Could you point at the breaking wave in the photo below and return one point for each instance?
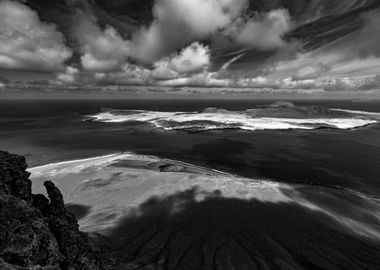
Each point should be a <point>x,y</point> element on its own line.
<point>269,118</point>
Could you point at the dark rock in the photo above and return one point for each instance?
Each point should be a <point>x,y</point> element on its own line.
<point>41,203</point>
<point>14,179</point>
<point>35,232</point>
<point>25,237</point>
<point>73,243</point>
<point>79,211</point>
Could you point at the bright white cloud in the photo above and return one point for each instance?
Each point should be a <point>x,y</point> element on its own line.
<point>102,50</point>
<point>28,43</point>
<point>193,58</point>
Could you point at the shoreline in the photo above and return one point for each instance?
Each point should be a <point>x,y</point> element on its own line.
<point>117,185</point>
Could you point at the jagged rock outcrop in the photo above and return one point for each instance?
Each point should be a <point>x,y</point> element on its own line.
<point>74,244</point>
<point>36,232</point>
<point>25,237</point>
<point>14,179</point>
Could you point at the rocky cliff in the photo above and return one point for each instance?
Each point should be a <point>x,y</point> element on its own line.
<point>38,232</point>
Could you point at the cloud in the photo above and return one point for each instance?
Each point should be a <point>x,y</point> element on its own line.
<point>179,22</point>
<point>102,50</point>
<point>176,23</point>
<point>310,72</point>
<point>208,79</point>
<point>129,74</point>
<point>27,43</point>
<point>369,39</point>
<point>352,83</point>
<point>327,84</point>
<point>162,71</point>
<point>69,76</point>
<point>193,58</point>
<point>263,31</point>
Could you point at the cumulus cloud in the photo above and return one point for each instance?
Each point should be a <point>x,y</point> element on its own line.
<point>102,50</point>
<point>69,76</point>
<point>26,42</point>
<point>193,58</point>
<point>263,31</point>
<point>178,22</point>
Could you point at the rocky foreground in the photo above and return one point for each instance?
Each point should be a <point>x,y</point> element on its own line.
<point>38,232</point>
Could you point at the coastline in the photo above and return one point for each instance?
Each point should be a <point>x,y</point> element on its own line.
<point>141,210</point>
<point>113,186</point>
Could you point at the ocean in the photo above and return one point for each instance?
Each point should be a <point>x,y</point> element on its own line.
<point>333,172</point>
<point>49,131</point>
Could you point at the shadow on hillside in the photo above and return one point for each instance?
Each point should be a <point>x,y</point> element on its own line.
<point>183,232</point>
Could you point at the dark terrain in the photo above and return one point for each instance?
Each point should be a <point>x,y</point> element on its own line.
<point>37,232</point>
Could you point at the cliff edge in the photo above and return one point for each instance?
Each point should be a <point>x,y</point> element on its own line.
<point>38,232</point>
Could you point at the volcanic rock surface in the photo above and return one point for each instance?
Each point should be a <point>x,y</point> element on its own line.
<point>36,232</point>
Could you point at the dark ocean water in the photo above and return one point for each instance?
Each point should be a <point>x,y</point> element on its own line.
<point>50,131</point>
<point>326,227</point>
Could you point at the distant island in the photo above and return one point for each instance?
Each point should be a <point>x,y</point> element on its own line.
<point>277,116</point>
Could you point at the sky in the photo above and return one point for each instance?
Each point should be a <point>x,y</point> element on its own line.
<point>321,45</point>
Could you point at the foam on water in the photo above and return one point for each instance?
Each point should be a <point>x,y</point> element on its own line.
<point>201,121</point>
